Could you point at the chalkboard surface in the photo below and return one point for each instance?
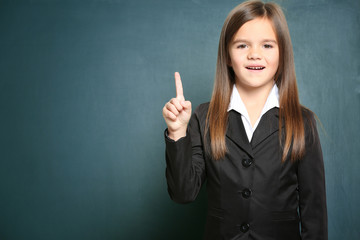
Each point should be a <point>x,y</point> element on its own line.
<point>82,86</point>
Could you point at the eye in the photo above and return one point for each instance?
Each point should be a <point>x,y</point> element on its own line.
<point>241,46</point>
<point>268,46</point>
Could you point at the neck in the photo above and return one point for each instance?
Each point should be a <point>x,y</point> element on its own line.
<point>254,99</point>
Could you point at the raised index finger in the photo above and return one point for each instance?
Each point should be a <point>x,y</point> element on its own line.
<point>179,88</point>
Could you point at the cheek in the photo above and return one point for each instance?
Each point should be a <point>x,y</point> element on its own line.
<point>236,60</point>
<point>274,61</point>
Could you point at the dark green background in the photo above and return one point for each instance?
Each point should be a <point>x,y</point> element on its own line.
<point>82,86</point>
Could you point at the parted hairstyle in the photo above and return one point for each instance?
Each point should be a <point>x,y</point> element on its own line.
<point>290,113</point>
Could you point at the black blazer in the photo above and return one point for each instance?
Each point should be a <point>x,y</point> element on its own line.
<point>251,194</point>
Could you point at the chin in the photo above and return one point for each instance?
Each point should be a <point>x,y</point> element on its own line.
<point>258,85</point>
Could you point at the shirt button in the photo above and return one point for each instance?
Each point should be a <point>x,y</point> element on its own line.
<point>247,162</point>
<point>246,193</point>
<point>244,227</point>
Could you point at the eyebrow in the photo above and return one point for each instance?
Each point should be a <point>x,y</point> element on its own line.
<point>246,41</point>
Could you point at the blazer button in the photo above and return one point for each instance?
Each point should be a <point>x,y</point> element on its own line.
<point>247,162</point>
<point>246,193</point>
<point>244,227</point>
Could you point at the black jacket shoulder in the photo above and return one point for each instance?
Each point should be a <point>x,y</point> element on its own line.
<point>202,109</point>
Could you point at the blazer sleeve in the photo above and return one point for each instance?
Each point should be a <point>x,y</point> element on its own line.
<point>185,164</point>
<point>312,194</point>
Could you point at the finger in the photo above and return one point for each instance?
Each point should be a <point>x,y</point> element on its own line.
<point>169,115</point>
<point>172,108</point>
<point>179,88</point>
<point>177,104</point>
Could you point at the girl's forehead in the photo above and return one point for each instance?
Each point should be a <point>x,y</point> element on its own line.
<point>258,28</point>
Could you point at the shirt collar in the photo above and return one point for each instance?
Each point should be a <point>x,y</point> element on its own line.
<point>238,105</point>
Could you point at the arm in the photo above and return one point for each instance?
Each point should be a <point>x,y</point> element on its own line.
<point>184,159</point>
<point>312,194</point>
<point>185,166</point>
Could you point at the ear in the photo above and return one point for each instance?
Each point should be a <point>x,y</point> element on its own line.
<point>228,61</point>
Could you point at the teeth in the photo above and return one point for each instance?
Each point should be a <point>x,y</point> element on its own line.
<point>255,68</point>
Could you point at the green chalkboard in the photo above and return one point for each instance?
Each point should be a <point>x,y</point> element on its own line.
<point>82,86</point>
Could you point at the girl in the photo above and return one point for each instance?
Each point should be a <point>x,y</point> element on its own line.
<point>256,146</point>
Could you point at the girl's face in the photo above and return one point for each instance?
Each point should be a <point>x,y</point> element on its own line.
<point>254,54</point>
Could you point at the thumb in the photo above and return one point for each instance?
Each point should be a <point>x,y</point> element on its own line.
<point>186,105</point>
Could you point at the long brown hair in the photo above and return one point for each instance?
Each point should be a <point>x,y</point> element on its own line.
<point>290,109</point>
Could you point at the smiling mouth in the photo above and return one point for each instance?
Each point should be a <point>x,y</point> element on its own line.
<point>255,68</point>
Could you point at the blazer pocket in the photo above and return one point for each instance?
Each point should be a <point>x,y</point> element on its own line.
<point>218,213</point>
<point>284,215</point>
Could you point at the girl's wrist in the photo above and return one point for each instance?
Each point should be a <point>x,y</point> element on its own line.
<point>176,135</point>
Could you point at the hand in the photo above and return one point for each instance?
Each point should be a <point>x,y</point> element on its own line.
<point>177,112</point>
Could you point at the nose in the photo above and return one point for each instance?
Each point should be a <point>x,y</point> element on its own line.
<point>254,54</point>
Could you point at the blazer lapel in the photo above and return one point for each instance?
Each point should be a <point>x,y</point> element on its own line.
<point>269,123</point>
<point>236,132</point>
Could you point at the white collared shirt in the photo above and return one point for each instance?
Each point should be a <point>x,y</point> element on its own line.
<point>238,105</point>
